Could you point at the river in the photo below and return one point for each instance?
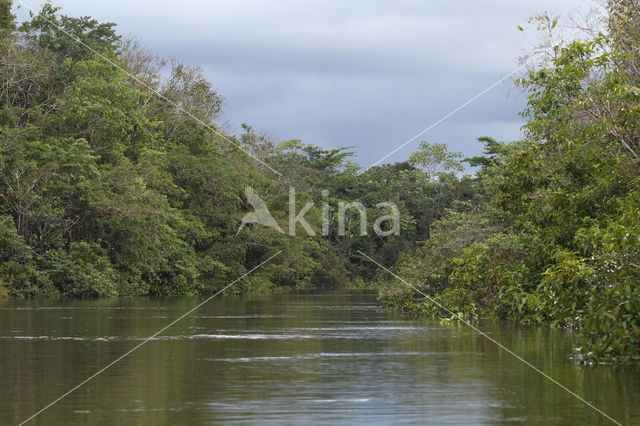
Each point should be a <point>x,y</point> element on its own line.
<point>311,358</point>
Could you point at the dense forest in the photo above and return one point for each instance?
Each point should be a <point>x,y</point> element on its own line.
<point>116,180</point>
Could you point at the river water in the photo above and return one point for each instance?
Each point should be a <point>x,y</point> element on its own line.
<point>315,358</point>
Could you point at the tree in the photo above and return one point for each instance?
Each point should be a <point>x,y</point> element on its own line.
<point>492,150</point>
<point>7,20</point>
<point>435,159</point>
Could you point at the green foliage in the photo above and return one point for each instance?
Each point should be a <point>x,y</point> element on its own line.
<point>492,151</point>
<point>101,106</point>
<point>428,269</point>
<point>497,274</point>
<point>128,193</point>
<point>18,273</point>
<point>597,289</point>
<point>7,20</point>
<point>60,35</point>
<point>81,270</point>
<point>435,159</point>
<point>106,190</point>
<point>564,203</point>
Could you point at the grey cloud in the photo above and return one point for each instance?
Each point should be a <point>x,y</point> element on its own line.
<point>332,72</point>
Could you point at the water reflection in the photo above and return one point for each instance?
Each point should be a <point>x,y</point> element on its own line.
<point>321,358</point>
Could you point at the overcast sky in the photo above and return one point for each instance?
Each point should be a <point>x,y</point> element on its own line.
<point>364,73</point>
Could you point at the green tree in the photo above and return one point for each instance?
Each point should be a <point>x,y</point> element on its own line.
<point>435,159</point>
<point>7,19</point>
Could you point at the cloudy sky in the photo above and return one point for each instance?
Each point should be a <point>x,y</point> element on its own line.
<point>364,73</point>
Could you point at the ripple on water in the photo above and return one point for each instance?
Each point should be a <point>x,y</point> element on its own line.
<point>320,355</point>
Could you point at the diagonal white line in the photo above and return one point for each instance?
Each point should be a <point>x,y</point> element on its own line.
<point>144,341</point>
<point>209,127</point>
<point>500,345</point>
<point>154,91</point>
<point>464,105</point>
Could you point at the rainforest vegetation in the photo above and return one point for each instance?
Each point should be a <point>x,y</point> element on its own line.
<point>116,179</point>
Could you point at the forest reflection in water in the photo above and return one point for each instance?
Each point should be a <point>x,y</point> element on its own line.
<point>320,358</point>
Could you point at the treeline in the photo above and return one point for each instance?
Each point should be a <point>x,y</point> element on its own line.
<point>110,189</point>
<point>558,241</point>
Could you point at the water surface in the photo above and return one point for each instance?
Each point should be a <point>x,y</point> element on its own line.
<point>319,358</point>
